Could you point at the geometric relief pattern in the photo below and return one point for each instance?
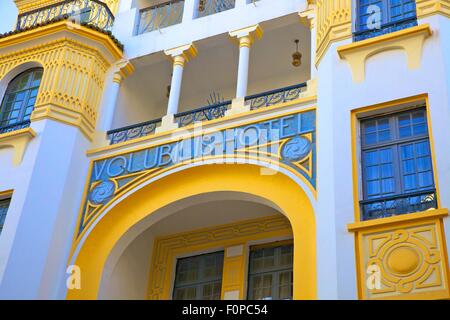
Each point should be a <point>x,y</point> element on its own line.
<point>288,141</point>
<point>166,248</point>
<point>72,82</point>
<point>411,261</point>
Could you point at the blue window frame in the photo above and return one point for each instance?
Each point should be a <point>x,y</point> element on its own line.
<point>4,206</point>
<point>396,165</point>
<point>18,102</point>
<point>377,17</point>
<point>199,277</point>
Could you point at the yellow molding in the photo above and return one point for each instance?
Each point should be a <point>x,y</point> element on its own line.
<point>182,53</point>
<point>334,23</point>
<point>66,26</point>
<point>64,115</point>
<point>397,220</point>
<point>246,36</point>
<point>209,126</point>
<point>308,16</point>
<point>234,274</point>
<point>74,73</point>
<point>29,5</point>
<point>426,8</point>
<point>18,140</point>
<point>6,193</point>
<point>411,40</point>
<point>166,250</point>
<point>411,257</point>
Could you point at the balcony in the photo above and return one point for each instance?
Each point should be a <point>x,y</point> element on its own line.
<point>207,113</point>
<point>210,80</point>
<point>166,14</point>
<point>397,205</point>
<point>160,16</point>
<point>89,12</point>
<point>209,7</point>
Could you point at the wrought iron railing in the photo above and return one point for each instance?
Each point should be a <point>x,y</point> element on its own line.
<point>133,132</point>
<point>397,205</point>
<point>207,113</point>
<point>15,126</point>
<point>160,16</point>
<point>273,97</point>
<point>384,29</point>
<point>202,114</point>
<point>209,7</point>
<point>90,12</point>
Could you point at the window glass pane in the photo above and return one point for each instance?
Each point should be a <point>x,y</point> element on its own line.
<point>377,131</point>
<point>285,281</point>
<point>366,10</point>
<point>379,173</point>
<point>397,174</point>
<point>199,277</point>
<point>273,280</point>
<point>4,206</point>
<point>401,9</point>
<point>211,291</point>
<point>416,165</point>
<point>20,96</point>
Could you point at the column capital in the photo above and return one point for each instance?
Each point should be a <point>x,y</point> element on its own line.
<point>246,36</point>
<point>308,16</point>
<point>182,53</point>
<point>122,69</point>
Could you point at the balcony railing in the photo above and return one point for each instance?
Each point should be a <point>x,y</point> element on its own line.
<point>397,205</point>
<point>15,126</point>
<point>209,7</point>
<point>90,12</point>
<point>207,113</point>
<point>202,114</point>
<point>384,29</point>
<point>160,16</point>
<point>277,96</point>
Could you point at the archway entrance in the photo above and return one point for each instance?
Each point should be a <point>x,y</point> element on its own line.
<point>107,240</point>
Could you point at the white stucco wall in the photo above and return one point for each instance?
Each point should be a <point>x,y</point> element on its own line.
<point>387,79</point>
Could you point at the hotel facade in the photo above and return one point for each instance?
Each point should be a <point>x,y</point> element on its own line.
<point>225,149</point>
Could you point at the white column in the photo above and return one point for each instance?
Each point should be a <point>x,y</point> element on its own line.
<point>189,10</point>
<point>308,19</point>
<point>179,56</point>
<point>244,61</point>
<point>175,86</point>
<point>240,3</point>
<point>109,104</point>
<point>120,72</point>
<point>245,38</point>
<point>125,5</point>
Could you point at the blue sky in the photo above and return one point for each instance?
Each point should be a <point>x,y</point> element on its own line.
<point>8,15</point>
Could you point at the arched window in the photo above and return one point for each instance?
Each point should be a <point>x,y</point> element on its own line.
<point>19,100</point>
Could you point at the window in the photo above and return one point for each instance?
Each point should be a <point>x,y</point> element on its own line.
<point>4,206</point>
<point>270,273</point>
<point>199,277</point>
<point>396,165</point>
<point>19,100</point>
<point>209,7</point>
<point>377,17</point>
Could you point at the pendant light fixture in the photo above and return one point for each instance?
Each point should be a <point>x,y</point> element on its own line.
<point>297,56</point>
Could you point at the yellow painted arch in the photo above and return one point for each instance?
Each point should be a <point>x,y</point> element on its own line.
<point>279,189</point>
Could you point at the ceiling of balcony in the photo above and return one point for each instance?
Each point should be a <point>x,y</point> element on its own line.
<point>144,94</point>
